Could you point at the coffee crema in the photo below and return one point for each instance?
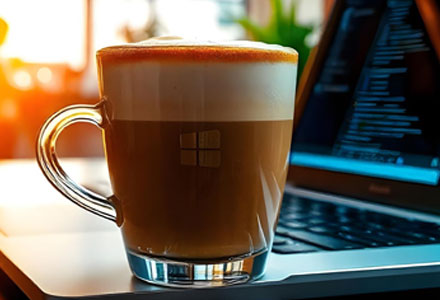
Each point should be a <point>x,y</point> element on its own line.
<point>197,141</point>
<point>174,49</point>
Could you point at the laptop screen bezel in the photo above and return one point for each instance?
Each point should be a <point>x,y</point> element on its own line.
<point>396,193</point>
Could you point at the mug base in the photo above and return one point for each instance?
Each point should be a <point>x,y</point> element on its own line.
<point>187,274</point>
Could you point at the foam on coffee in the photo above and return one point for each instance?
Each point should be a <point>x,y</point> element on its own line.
<point>169,48</point>
<point>245,81</point>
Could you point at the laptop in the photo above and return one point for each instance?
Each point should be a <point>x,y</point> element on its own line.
<point>360,212</point>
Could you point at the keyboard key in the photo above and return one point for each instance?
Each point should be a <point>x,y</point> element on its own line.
<point>383,221</point>
<point>288,197</point>
<point>434,231</point>
<point>344,219</point>
<point>323,229</point>
<point>295,247</point>
<point>281,240</point>
<point>429,238</point>
<point>281,230</point>
<point>418,236</point>
<point>296,201</point>
<point>398,240</point>
<point>318,213</point>
<point>322,207</point>
<point>319,240</point>
<point>429,225</point>
<point>389,234</point>
<point>338,227</point>
<point>358,240</point>
<point>291,216</point>
<point>366,234</point>
<point>315,221</point>
<point>342,210</point>
<point>388,238</point>
<point>294,224</point>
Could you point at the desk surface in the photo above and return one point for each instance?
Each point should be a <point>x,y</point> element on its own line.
<point>54,249</point>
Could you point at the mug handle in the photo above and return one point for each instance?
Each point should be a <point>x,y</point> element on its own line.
<point>49,164</point>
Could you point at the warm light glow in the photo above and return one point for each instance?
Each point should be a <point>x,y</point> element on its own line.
<point>44,31</point>
<point>53,31</point>
<point>8,109</point>
<point>44,75</point>
<point>22,80</point>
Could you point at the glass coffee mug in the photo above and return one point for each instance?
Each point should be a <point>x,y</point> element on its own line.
<point>197,138</point>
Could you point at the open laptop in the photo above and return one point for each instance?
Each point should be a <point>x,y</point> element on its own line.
<point>360,212</point>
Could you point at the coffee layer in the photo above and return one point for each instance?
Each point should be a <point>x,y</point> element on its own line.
<point>199,91</point>
<point>198,190</point>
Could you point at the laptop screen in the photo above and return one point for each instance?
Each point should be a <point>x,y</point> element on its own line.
<point>374,108</point>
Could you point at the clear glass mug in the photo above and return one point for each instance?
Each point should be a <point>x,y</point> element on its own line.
<point>196,138</point>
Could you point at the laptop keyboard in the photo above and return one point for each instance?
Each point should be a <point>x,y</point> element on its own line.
<point>308,225</point>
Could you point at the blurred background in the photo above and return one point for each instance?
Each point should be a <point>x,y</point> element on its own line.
<point>47,51</point>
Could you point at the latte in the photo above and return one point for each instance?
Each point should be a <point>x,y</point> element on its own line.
<point>197,140</point>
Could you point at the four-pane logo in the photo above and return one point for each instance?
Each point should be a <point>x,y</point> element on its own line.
<point>200,149</point>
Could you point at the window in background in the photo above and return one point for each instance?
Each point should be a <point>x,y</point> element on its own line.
<point>311,12</point>
<point>203,19</point>
<point>117,21</point>
<point>47,60</point>
<point>112,17</point>
<point>121,21</point>
<point>48,31</point>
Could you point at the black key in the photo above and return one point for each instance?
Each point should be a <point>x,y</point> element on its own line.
<point>337,232</point>
<point>318,213</point>
<point>294,224</point>
<point>296,201</point>
<point>368,234</point>
<point>323,229</point>
<point>398,240</point>
<point>358,240</point>
<point>281,240</point>
<point>291,207</point>
<point>402,223</point>
<point>434,231</point>
<point>295,247</point>
<point>375,226</point>
<point>388,238</point>
<point>344,219</point>
<point>417,230</point>
<point>323,241</point>
<point>290,216</point>
<point>315,221</point>
<point>287,197</point>
<point>388,221</point>
<point>375,217</point>
<point>346,211</point>
<point>422,236</point>
<point>322,207</point>
<point>281,230</point>
<point>418,236</point>
<point>428,225</point>
<point>389,235</point>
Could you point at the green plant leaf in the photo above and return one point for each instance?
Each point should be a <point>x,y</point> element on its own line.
<point>282,29</point>
<point>256,31</point>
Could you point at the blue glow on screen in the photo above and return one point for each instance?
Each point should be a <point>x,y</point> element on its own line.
<point>374,169</point>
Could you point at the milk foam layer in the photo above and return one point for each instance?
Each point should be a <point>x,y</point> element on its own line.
<point>174,41</point>
<point>199,91</point>
<point>178,41</point>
